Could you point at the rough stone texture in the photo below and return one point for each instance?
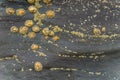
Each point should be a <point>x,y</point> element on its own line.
<point>109,65</point>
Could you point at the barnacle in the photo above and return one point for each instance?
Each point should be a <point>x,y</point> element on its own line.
<point>42,16</point>
<point>32,9</point>
<point>29,23</point>
<point>103,29</point>
<point>38,66</point>
<point>46,1</point>
<point>46,31</point>
<point>36,28</point>
<point>96,31</point>
<point>14,29</point>
<point>10,11</point>
<point>23,30</point>
<point>51,33</point>
<point>37,4</point>
<point>56,38</point>
<point>50,13</point>
<point>20,12</point>
<point>34,46</point>
<point>57,29</point>
<point>31,1</point>
<point>31,35</point>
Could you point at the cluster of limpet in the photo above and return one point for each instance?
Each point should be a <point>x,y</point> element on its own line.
<point>18,12</point>
<point>36,22</point>
<point>38,66</point>
<point>98,31</point>
<point>31,27</point>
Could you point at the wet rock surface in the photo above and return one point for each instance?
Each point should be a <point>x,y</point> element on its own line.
<point>72,57</point>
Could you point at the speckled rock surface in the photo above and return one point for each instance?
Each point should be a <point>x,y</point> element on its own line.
<point>93,58</point>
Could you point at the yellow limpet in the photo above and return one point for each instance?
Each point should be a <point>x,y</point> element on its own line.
<point>23,30</point>
<point>50,13</point>
<point>38,66</point>
<point>32,9</point>
<point>79,34</point>
<point>20,12</point>
<point>36,16</point>
<point>51,33</point>
<point>34,46</point>
<point>96,31</point>
<point>36,28</point>
<point>42,54</point>
<point>46,37</point>
<point>39,22</point>
<point>29,23</point>
<point>46,31</point>
<point>14,29</point>
<point>42,16</point>
<point>103,29</point>
<point>31,1</point>
<point>58,10</point>
<point>10,11</point>
<point>31,35</point>
<point>37,4</point>
<point>55,38</point>
<point>47,1</point>
<point>57,29</point>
